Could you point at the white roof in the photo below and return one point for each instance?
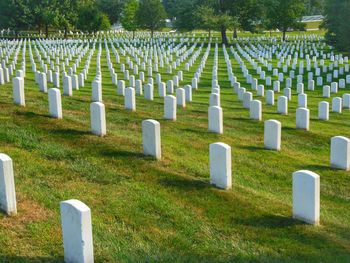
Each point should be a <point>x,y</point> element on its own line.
<point>312,18</point>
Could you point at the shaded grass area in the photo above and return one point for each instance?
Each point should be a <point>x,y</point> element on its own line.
<point>146,211</point>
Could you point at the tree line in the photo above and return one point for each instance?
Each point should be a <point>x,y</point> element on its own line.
<point>95,15</point>
<point>185,15</point>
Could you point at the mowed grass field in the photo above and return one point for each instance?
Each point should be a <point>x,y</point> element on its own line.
<point>166,211</point>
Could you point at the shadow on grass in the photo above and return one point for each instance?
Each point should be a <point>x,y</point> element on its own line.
<point>31,114</point>
<point>69,132</point>
<point>269,221</point>
<point>184,183</point>
<point>200,131</point>
<point>318,167</point>
<point>253,148</point>
<point>123,154</point>
<point>30,259</point>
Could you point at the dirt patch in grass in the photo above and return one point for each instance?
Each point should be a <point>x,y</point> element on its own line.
<point>28,212</point>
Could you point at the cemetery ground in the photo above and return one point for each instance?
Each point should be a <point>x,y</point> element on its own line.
<point>145,210</point>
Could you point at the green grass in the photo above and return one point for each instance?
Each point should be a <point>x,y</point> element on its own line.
<point>147,211</point>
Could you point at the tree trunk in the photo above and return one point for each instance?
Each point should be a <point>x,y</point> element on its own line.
<point>284,35</point>
<point>65,32</point>
<point>209,34</point>
<point>133,34</point>
<point>152,33</point>
<point>47,31</point>
<point>235,35</point>
<point>223,35</point>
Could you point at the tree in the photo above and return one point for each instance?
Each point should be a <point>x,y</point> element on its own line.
<point>314,7</point>
<point>151,15</point>
<point>224,20</point>
<point>246,14</point>
<point>90,19</point>
<point>170,7</point>
<point>68,14</point>
<point>206,18</point>
<point>15,14</point>
<point>337,21</point>
<point>129,16</point>
<point>112,8</point>
<point>184,14</point>
<point>45,14</point>
<point>285,14</point>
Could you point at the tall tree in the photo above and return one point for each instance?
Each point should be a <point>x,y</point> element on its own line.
<point>247,15</point>
<point>224,19</point>
<point>45,14</point>
<point>206,18</point>
<point>91,19</point>
<point>337,21</point>
<point>112,8</point>
<point>170,7</point>
<point>314,7</point>
<point>68,14</point>
<point>285,14</point>
<point>151,15</point>
<point>183,12</point>
<point>15,14</point>
<point>129,16</point>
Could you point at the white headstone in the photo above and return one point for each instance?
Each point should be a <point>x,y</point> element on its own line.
<point>220,165</point>
<point>215,119</point>
<point>270,97</point>
<point>302,100</point>
<point>18,91</point>
<point>340,153</point>
<point>326,91</point>
<point>8,202</point>
<point>272,135</point>
<point>151,138</point>
<point>247,98</point>
<point>323,111</point>
<point>77,232</point>
<point>255,110</point>
<point>302,118</point>
<point>337,105</point>
<point>161,89</point>
<point>55,104</point>
<point>282,105</point>
<point>121,87</point>
<point>129,99</point>
<point>180,97</point>
<point>96,94</point>
<point>346,101</point>
<point>306,196</point>
<point>67,86</point>
<point>98,118</point>
<point>170,107</point>
<point>148,91</point>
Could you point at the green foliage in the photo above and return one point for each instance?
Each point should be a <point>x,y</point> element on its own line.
<point>184,14</point>
<point>151,15</point>
<point>112,8</point>
<point>284,14</point>
<point>338,23</point>
<point>90,19</point>
<point>206,18</point>
<point>170,7</point>
<point>314,7</point>
<point>129,15</point>
<point>15,14</point>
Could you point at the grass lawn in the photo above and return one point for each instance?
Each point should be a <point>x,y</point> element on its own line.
<point>145,210</point>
